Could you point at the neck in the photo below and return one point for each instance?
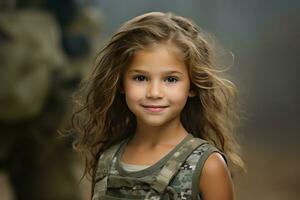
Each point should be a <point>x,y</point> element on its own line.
<point>170,133</point>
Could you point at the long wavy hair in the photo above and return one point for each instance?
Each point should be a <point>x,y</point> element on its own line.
<point>103,118</point>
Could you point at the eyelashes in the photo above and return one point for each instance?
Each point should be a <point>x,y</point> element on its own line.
<point>168,79</point>
<point>171,79</point>
<point>140,78</point>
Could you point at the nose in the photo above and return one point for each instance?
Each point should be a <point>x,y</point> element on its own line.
<point>154,90</point>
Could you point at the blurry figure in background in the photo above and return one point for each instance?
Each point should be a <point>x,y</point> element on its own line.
<point>42,60</point>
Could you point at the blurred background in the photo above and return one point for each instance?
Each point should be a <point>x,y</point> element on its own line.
<point>46,47</point>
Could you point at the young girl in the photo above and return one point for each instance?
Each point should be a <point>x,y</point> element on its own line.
<point>156,120</point>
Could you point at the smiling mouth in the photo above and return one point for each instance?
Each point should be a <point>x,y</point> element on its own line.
<point>154,108</point>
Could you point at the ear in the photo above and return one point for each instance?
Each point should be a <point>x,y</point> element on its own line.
<point>192,93</point>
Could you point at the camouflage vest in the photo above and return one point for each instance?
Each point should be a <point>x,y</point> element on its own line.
<point>175,176</point>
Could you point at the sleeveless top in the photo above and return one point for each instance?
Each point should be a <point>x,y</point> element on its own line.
<point>186,181</point>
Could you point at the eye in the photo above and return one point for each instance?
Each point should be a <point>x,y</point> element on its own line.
<point>171,79</point>
<point>140,78</point>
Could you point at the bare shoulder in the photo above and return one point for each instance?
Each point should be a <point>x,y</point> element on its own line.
<point>215,180</point>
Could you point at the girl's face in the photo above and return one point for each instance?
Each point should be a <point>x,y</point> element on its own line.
<point>157,85</point>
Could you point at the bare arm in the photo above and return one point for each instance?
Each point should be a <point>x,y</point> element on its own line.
<point>215,181</point>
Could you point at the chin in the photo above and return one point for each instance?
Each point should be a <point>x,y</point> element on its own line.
<point>156,121</point>
<point>153,123</point>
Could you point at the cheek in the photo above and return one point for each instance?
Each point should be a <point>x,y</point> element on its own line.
<point>179,98</point>
<point>180,95</point>
<point>132,93</point>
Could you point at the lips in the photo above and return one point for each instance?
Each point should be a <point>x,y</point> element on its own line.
<point>154,108</point>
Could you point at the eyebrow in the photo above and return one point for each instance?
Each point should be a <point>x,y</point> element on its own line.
<point>164,72</point>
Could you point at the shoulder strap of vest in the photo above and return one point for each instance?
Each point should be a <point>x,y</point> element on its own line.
<point>105,161</point>
<point>172,166</point>
<point>102,171</point>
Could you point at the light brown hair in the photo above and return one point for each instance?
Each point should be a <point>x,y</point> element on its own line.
<point>103,117</point>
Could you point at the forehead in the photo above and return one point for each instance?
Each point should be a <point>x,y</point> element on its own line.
<point>158,57</point>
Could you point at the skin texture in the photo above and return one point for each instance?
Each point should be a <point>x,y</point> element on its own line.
<point>215,181</point>
<point>156,86</point>
<point>156,77</point>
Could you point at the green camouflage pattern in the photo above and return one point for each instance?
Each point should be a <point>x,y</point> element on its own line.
<point>172,181</point>
<point>182,182</point>
<point>173,165</point>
